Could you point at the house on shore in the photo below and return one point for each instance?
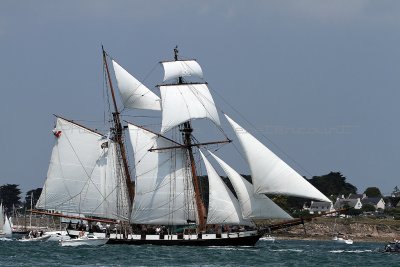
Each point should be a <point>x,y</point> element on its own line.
<point>318,207</point>
<point>377,202</point>
<point>348,203</point>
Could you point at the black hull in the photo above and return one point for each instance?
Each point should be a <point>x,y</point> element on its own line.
<point>239,241</point>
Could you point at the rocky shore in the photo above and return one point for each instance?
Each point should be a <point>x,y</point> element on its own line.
<point>358,229</point>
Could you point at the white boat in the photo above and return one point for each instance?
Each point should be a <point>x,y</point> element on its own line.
<point>58,235</point>
<point>89,172</point>
<point>342,239</point>
<point>268,238</point>
<point>87,240</point>
<point>35,239</point>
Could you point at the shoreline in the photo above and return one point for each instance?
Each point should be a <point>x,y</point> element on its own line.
<point>357,229</point>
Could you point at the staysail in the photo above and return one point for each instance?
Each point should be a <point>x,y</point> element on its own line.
<point>83,175</point>
<point>164,190</point>
<point>183,102</point>
<point>269,173</point>
<point>181,68</point>
<point>223,207</point>
<point>254,206</point>
<point>134,94</point>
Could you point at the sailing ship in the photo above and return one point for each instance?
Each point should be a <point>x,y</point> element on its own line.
<point>165,202</point>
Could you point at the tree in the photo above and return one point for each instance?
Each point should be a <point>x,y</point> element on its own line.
<point>373,192</point>
<point>368,207</point>
<point>36,194</point>
<point>333,183</point>
<point>10,196</point>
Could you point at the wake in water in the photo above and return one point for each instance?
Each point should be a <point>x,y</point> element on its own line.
<point>288,249</point>
<point>350,251</point>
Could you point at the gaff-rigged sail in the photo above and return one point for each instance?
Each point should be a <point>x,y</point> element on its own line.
<point>254,206</point>
<point>181,68</point>
<point>164,191</point>
<point>223,207</point>
<point>183,102</point>
<point>83,175</point>
<point>269,173</point>
<point>133,93</point>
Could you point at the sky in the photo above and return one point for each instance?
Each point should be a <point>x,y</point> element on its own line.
<point>316,81</point>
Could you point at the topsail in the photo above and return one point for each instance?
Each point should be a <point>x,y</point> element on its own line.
<point>181,68</point>
<point>133,93</point>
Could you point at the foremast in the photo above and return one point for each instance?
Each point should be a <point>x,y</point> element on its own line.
<point>187,130</point>
<point>118,137</point>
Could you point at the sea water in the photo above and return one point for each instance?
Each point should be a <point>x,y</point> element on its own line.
<point>265,253</point>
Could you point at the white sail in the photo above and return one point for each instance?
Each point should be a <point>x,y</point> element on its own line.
<point>223,207</point>
<point>181,68</point>
<point>83,176</point>
<point>164,192</point>
<point>183,102</point>
<point>7,231</point>
<point>269,173</point>
<point>133,93</point>
<point>254,206</point>
<point>1,217</point>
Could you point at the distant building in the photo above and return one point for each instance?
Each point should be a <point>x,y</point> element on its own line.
<point>377,202</point>
<point>392,202</point>
<point>320,207</point>
<point>396,192</point>
<point>345,202</point>
<point>355,196</point>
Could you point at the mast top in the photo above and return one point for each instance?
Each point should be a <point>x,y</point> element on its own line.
<point>176,51</point>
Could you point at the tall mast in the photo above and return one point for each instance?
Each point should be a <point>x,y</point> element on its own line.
<point>119,137</point>
<point>187,139</point>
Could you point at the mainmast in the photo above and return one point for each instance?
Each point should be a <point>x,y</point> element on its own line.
<point>187,130</point>
<point>118,136</point>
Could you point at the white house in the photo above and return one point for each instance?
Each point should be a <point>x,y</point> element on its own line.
<point>320,207</point>
<point>377,202</point>
<point>345,202</point>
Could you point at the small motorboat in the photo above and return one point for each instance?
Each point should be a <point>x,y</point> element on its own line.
<point>268,238</point>
<point>58,235</point>
<point>85,240</point>
<point>35,239</point>
<point>342,239</point>
<point>393,246</point>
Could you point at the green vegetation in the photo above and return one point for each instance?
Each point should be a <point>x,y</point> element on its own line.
<point>333,184</point>
<point>10,196</point>
<point>35,194</point>
<point>373,192</point>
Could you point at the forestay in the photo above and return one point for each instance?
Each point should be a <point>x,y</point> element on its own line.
<point>83,176</point>
<point>183,102</point>
<point>269,173</point>
<point>181,68</point>
<point>223,207</point>
<point>254,206</point>
<point>164,190</point>
<point>133,93</point>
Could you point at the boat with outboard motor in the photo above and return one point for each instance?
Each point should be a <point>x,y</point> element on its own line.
<point>393,246</point>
